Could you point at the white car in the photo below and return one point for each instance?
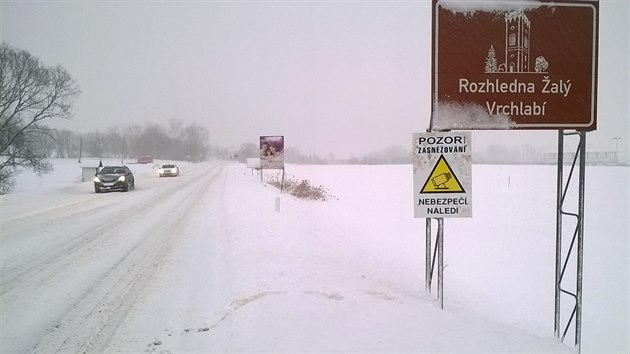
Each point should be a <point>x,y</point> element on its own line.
<point>168,170</point>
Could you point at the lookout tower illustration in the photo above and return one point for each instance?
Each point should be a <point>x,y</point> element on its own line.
<point>517,28</point>
<point>517,48</point>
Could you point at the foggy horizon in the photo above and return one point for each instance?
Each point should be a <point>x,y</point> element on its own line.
<point>346,78</point>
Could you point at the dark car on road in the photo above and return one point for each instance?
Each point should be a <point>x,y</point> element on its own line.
<point>114,178</point>
<point>168,170</point>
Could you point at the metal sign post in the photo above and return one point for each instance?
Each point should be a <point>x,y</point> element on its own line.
<point>440,247</point>
<point>442,189</point>
<point>428,271</point>
<point>577,240</point>
<point>438,253</point>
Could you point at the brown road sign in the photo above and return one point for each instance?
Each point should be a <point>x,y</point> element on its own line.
<point>514,64</point>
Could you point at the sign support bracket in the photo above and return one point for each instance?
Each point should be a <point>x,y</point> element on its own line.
<point>575,248</point>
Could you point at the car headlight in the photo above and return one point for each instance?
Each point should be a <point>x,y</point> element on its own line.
<point>121,178</point>
<point>160,171</point>
<point>97,180</point>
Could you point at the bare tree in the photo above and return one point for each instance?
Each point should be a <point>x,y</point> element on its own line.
<point>247,150</point>
<point>29,94</point>
<point>132,139</point>
<point>176,131</point>
<point>114,142</point>
<point>94,145</point>
<point>196,142</point>
<point>67,144</point>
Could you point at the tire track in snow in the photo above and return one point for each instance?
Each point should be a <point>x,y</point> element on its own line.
<point>61,209</point>
<point>81,236</point>
<point>95,317</point>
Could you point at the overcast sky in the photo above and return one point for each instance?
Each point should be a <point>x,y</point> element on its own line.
<point>347,77</point>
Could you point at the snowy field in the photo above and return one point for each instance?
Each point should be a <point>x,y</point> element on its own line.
<point>230,273</point>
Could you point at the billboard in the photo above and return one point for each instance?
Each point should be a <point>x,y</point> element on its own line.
<point>442,177</point>
<point>509,64</point>
<point>271,152</point>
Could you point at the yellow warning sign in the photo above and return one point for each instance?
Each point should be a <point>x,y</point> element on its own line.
<point>442,179</point>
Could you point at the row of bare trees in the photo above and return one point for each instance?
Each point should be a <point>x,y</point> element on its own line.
<point>178,141</point>
<point>386,156</point>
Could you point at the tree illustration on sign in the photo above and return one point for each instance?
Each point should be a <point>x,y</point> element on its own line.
<point>491,61</point>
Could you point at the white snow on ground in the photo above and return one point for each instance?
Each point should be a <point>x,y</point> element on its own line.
<point>204,263</point>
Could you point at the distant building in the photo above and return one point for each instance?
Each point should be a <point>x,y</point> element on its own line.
<point>592,158</point>
<point>89,168</point>
<point>144,158</point>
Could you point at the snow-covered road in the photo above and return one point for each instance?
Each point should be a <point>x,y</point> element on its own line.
<point>97,252</point>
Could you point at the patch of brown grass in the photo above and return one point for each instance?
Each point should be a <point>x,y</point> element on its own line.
<point>301,188</point>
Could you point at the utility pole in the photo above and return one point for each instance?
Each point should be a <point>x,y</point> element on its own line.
<point>80,148</point>
<point>616,139</point>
